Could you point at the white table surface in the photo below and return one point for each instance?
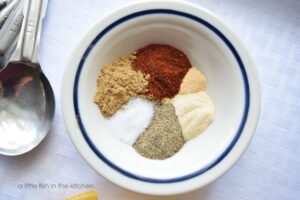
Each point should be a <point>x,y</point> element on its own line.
<point>270,168</point>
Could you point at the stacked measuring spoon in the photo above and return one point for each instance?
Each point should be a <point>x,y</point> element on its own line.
<point>26,96</point>
<point>11,17</point>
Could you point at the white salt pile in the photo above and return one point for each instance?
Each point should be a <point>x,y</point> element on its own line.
<point>129,122</point>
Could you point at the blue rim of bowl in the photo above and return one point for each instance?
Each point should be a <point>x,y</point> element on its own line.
<point>181,14</point>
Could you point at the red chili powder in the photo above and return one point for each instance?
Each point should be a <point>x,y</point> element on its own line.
<point>166,66</point>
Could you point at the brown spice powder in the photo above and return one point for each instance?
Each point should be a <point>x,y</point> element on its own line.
<point>117,83</point>
<point>194,81</point>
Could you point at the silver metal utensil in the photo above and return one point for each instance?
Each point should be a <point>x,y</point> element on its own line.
<point>4,3</point>
<point>9,32</point>
<point>7,10</point>
<point>26,97</point>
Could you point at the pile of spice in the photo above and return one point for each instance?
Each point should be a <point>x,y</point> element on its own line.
<point>163,138</point>
<point>166,66</point>
<point>194,81</point>
<point>195,112</point>
<point>129,88</point>
<point>117,84</point>
<point>128,123</point>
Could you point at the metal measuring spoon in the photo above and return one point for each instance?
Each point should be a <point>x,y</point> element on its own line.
<point>4,3</point>
<point>7,10</point>
<point>26,96</point>
<point>9,33</point>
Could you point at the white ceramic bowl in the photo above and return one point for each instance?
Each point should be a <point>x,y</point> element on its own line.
<point>232,83</point>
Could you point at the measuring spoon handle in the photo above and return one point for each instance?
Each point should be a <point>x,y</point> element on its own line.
<point>6,11</point>
<point>11,28</point>
<point>36,46</point>
<point>34,12</point>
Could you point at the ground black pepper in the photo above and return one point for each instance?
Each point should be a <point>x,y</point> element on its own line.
<point>163,138</point>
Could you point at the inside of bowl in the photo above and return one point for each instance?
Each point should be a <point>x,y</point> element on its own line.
<point>206,52</point>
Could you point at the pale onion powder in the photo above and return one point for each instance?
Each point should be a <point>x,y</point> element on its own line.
<point>195,113</point>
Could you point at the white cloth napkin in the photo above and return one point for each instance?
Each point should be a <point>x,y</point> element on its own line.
<point>270,168</point>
